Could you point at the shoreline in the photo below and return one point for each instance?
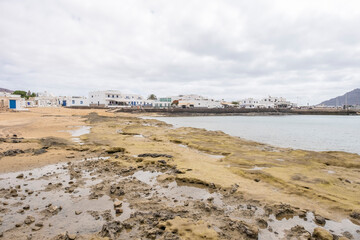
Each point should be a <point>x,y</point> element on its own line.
<point>240,170</point>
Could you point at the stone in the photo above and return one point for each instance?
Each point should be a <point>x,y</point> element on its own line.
<point>29,220</point>
<point>39,224</point>
<point>26,207</point>
<point>320,220</point>
<point>322,234</point>
<point>262,223</point>
<point>119,210</point>
<point>70,236</point>
<point>35,228</point>
<point>78,212</point>
<point>355,214</point>
<point>298,233</point>
<point>117,204</point>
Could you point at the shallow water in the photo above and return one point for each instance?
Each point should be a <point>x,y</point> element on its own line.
<point>76,133</point>
<point>180,194</point>
<point>318,133</point>
<point>170,193</point>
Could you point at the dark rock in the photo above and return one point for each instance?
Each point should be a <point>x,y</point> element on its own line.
<point>298,232</point>
<point>39,151</point>
<point>29,219</point>
<point>320,220</point>
<point>115,150</point>
<point>355,214</point>
<point>262,223</point>
<point>116,190</point>
<point>111,230</point>
<point>21,175</point>
<point>155,155</point>
<point>162,162</point>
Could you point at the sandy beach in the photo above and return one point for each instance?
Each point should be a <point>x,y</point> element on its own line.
<point>96,174</point>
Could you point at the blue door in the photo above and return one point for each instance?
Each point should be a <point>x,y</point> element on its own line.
<point>64,103</point>
<point>12,104</point>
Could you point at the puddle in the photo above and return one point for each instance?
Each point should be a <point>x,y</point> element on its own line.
<point>280,226</point>
<point>48,185</point>
<point>170,194</point>
<point>138,136</point>
<point>256,168</point>
<point>146,177</point>
<point>76,133</point>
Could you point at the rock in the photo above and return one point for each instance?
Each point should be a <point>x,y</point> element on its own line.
<point>257,180</point>
<point>298,233</point>
<point>78,212</point>
<point>39,151</point>
<point>119,210</point>
<point>320,220</point>
<point>35,228</point>
<point>117,204</point>
<point>53,209</point>
<point>162,162</point>
<point>262,223</point>
<point>26,207</point>
<point>116,190</point>
<point>322,234</point>
<point>355,214</point>
<point>116,150</point>
<point>39,224</point>
<point>347,235</point>
<point>70,236</point>
<point>154,155</point>
<point>18,225</point>
<point>112,230</point>
<point>234,188</point>
<point>29,220</point>
<point>21,175</point>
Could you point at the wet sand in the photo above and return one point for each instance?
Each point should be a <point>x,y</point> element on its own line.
<point>73,174</point>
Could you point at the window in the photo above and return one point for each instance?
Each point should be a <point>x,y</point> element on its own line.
<point>81,102</point>
<point>73,101</point>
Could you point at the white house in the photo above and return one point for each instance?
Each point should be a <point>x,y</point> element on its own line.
<point>276,102</point>
<point>113,98</point>
<point>73,101</point>
<point>43,99</point>
<point>268,102</point>
<point>11,101</point>
<point>196,101</point>
<point>249,103</point>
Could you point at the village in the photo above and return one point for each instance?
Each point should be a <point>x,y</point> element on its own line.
<point>117,99</point>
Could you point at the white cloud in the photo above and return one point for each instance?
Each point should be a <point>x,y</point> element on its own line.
<point>303,50</point>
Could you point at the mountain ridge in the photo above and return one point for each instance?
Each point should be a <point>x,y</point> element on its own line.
<point>349,98</point>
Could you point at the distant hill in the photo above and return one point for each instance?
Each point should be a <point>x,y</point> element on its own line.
<point>5,90</point>
<point>349,98</point>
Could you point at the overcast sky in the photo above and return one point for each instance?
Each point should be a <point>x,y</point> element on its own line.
<point>307,51</point>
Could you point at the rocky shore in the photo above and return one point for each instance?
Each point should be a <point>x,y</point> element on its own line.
<point>130,178</point>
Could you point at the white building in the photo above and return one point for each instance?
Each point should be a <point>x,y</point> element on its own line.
<point>249,103</point>
<point>268,102</point>
<point>196,101</point>
<point>276,102</point>
<point>43,99</point>
<point>11,101</point>
<point>73,101</point>
<point>113,98</point>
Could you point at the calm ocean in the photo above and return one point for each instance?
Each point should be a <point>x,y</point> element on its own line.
<point>319,133</point>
